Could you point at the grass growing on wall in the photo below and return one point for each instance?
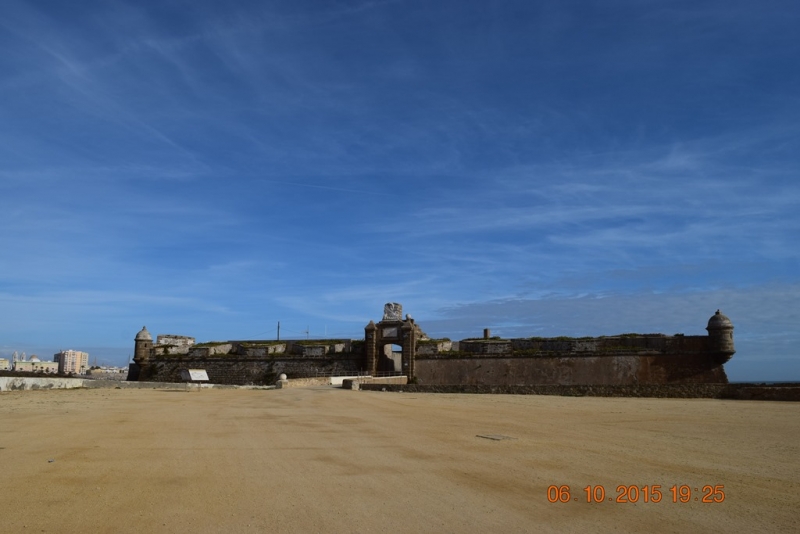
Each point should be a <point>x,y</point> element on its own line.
<point>321,342</point>
<point>259,344</point>
<point>433,341</point>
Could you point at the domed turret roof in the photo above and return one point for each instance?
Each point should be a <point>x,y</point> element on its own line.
<point>144,335</point>
<point>719,321</point>
<point>34,358</point>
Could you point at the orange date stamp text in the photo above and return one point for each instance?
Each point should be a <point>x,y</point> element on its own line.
<point>677,493</point>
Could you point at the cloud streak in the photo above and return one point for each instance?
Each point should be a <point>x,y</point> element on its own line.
<point>215,170</point>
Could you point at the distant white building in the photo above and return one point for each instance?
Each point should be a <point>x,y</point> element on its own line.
<point>72,361</point>
<point>35,365</point>
<point>5,365</point>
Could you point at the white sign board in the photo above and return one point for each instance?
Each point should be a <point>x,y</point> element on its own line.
<point>194,374</point>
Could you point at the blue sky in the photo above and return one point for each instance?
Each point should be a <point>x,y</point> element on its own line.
<point>539,168</point>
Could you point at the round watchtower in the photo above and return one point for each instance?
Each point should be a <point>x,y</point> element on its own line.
<point>143,346</point>
<point>720,333</point>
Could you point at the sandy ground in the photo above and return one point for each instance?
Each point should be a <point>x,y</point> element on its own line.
<point>330,460</point>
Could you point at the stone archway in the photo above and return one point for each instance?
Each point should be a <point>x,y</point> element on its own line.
<point>392,330</point>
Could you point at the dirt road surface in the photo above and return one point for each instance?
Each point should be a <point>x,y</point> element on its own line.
<point>330,460</point>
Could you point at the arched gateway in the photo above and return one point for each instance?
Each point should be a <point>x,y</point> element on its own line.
<point>392,330</point>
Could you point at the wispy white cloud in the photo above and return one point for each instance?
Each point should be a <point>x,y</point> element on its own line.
<point>763,317</point>
<point>770,308</point>
<point>308,163</point>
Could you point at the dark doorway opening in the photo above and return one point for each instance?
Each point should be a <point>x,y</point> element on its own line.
<point>390,359</point>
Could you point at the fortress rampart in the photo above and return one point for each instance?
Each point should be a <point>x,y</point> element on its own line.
<point>622,360</point>
<point>613,360</point>
<point>250,362</point>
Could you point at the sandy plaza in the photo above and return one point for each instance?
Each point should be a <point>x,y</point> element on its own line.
<point>329,460</point>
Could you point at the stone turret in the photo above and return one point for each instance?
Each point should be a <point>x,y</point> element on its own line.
<point>720,334</point>
<point>143,346</point>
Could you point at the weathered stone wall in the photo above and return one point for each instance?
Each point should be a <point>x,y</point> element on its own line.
<point>172,344</point>
<point>99,374</point>
<point>774,392</point>
<point>355,383</point>
<point>8,383</point>
<point>171,339</point>
<point>304,382</point>
<point>29,383</point>
<point>260,349</point>
<point>614,360</point>
<point>569,369</point>
<point>425,348</point>
<point>631,344</point>
<point>234,369</point>
<point>620,360</point>
<point>251,362</point>
<point>319,349</point>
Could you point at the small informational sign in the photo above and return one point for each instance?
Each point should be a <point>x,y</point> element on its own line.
<point>194,375</point>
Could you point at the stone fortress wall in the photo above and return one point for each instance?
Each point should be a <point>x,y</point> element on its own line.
<point>257,362</point>
<point>614,360</point>
<point>622,360</point>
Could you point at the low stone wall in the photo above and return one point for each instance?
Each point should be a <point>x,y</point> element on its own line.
<point>29,374</point>
<point>304,382</point>
<point>355,383</point>
<point>787,392</point>
<point>31,384</point>
<point>338,380</point>
<point>95,374</point>
<point>772,392</point>
<point>28,383</point>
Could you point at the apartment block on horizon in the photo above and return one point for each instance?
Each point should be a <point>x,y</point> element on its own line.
<point>72,361</point>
